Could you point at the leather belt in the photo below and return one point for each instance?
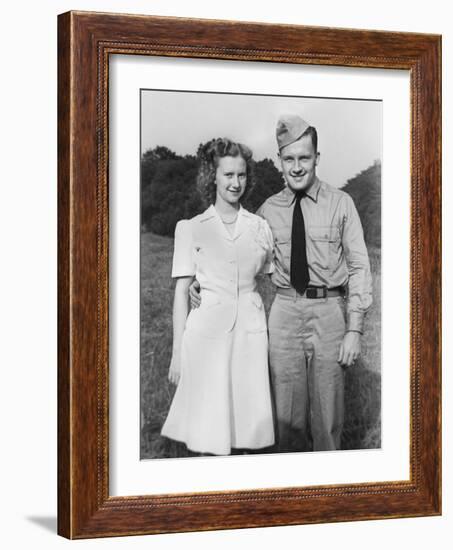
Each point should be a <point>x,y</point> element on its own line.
<point>313,292</point>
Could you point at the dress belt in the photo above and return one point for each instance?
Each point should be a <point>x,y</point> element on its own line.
<point>313,292</point>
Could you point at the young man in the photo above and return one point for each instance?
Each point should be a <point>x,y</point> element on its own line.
<point>323,281</point>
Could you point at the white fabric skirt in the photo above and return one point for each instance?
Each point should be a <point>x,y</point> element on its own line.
<point>223,398</point>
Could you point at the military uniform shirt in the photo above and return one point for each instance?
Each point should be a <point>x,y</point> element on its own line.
<point>336,250</point>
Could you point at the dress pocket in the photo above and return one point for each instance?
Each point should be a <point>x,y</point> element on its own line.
<point>209,300</point>
<point>257,301</point>
<point>256,317</point>
<point>213,319</point>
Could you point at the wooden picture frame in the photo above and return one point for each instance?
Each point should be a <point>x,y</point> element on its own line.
<point>85,42</point>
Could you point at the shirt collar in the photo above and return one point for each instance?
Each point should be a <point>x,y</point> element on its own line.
<point>312,192</point>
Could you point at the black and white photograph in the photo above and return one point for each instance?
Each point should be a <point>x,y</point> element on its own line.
<point>260,274</point>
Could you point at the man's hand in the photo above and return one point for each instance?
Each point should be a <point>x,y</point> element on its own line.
<point>194,295</point>
<point>349,349</point>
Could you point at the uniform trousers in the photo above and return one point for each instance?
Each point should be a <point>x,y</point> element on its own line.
<point>305,335</point>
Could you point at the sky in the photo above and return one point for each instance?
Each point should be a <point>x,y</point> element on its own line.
<point>349,130</point>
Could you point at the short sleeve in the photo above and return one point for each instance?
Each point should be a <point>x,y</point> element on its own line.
<point>183,262</point>
<point>269,265</point>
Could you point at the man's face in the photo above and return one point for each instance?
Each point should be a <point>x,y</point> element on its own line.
<point>299,161</point>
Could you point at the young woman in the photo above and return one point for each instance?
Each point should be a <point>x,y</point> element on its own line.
<point>220,350</point>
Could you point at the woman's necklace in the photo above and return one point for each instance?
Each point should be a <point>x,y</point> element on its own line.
<point>229,223</point>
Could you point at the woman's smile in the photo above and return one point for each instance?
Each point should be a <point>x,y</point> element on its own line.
<point>231,179</point>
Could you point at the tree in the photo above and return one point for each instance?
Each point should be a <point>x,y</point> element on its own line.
<point>269,180</point>
<point>150,160</point>
<point>171,195</point>
<point>365,189</point>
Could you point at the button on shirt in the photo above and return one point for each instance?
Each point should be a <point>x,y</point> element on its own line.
<point>336,250</point>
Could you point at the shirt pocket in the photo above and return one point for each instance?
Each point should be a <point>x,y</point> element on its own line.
<point>282,247</point>
<point>322,246</point>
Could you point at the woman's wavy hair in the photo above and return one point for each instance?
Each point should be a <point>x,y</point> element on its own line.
<point>208,161</point>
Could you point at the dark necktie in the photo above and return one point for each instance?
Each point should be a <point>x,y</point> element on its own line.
<point>299,264</point>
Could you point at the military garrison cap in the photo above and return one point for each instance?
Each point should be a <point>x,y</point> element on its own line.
<point>289,129</point>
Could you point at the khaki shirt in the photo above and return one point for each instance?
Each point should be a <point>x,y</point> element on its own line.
<point>336,250</point>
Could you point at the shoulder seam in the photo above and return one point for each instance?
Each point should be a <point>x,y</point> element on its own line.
<point>271,198</point>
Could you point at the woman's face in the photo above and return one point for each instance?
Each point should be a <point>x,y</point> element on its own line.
<point>231,179</point>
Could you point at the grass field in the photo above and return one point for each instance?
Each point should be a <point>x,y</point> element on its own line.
<point>363,381</point>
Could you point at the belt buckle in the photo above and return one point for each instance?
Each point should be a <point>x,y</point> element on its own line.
<point>316,292</point>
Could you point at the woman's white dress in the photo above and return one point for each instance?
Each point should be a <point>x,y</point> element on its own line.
<point>223,398</point>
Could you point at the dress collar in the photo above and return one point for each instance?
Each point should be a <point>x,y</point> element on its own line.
<point>211,213</point>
